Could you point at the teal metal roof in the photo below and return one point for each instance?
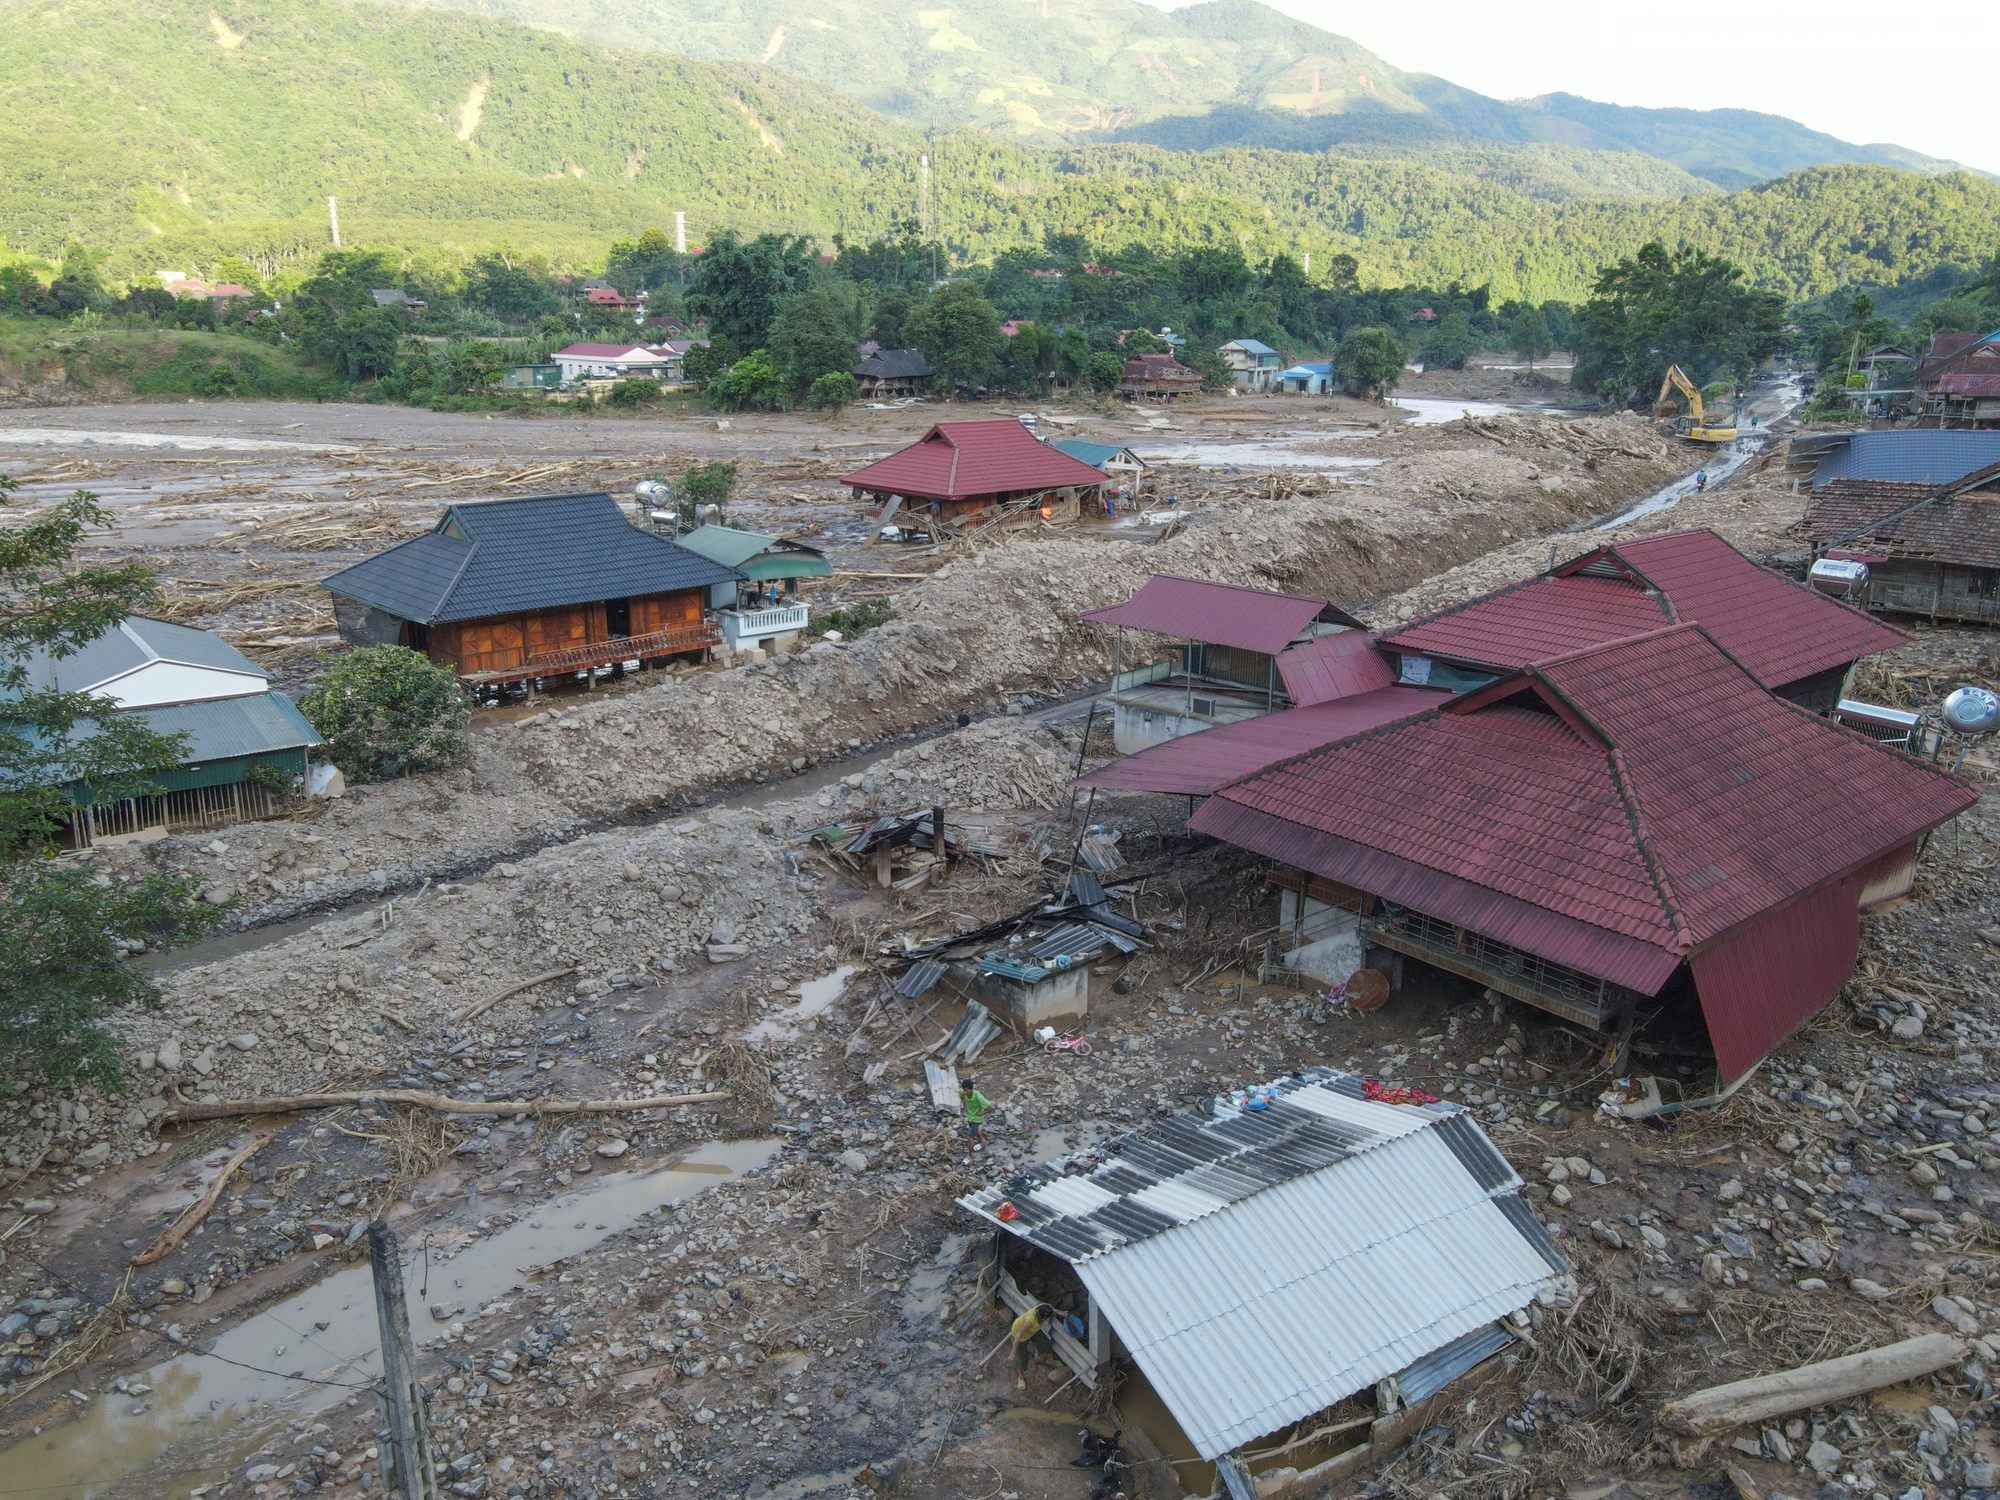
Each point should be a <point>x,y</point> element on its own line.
<point>756,555</point>
<point>231,728</point>
<point>1097,455</point>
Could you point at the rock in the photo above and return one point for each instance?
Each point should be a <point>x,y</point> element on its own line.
<point>1812,1284</point>
<point>1605,1234</point>
<point>12,1325</point>
<point>1558,1173</point>
<point>1907,1028</point>
<point>1712,1268</point>
<point>1730,1191</point>
<point>218,895</point>
<point>613,1148</point>
<point>1735,1246</point>
<point>853,1160</point>
<point>243,1041</point>
<point>39,1206</point>
<point>169,1057</point>
<point>1776,1446</point>
<point>321,1241</point>
<point>632,872</point>
<point>1870,1291</point>
<point>1823,1456</point>
<point>204,1061</point>
<point>1578,1167</point>
<point>1981,1476</point>
<point>173,1286</point>
<point>1926,1174</point>
<point>1561,1196</point>
<point>1956,1316</point>
<point>260,1473</point>
<point>1652,1237</point>
<point>1944,1422</point>
<point>95,1156</point>
<point>1788,1142</point>
<point>722,933</point>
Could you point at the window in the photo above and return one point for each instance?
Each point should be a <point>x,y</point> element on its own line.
<point>617,618</point>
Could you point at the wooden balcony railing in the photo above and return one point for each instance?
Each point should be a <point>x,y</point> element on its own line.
<point>605,653</point>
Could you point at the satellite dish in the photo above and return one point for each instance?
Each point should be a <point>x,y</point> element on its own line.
<point>1971,710</point>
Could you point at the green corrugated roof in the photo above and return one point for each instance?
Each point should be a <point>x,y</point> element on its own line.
<point>751,554</point>
<point>1094,454</point>
<point>229,728</point>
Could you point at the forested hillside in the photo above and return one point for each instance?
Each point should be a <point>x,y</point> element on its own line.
<point>169,134</point>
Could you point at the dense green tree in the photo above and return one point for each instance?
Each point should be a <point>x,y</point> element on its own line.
<point>1528,335</point>
<point>475,364</point>
<point>1105,371</point>
<point>812,336</point>
<point>363,344</point>
<point>754,382</point>
<point>739,285</point>
<point>77,287</point>
<point>1956,314</point>
<point>64,929</point>
<point>642,265</point>
<point>1369,362</point>
<point>704,363</point>
<point>958,331</point>
<point>514,288</point>
<point>1216,375</point>
<point>386,712</point>
<point>892,310</point>
<point>1450,342</point>
<point>341,283</point>
<point>1662,307</point>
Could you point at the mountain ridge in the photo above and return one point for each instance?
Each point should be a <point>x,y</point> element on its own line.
<point>168,134</point>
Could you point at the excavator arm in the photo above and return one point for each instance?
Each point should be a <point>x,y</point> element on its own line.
<point>1676,379</point>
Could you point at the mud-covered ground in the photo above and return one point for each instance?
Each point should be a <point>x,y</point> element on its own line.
<point>814,1325</point>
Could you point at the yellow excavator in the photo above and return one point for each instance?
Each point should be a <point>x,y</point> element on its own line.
<point>1697,431</point>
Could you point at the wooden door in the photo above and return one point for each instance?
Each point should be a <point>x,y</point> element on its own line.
<point>489,645</point>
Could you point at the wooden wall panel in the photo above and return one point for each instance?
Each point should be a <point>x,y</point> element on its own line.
<point>489,645</point>
<point>555,629</point>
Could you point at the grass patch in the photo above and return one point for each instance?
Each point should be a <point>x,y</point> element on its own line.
<point>113,359</point>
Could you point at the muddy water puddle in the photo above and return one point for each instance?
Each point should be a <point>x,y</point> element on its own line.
<point>816,996</point>
<point>195,1419</point>
<point>1430,411</point>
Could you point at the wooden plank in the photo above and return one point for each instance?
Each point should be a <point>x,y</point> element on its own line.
<point>1068,1350</point>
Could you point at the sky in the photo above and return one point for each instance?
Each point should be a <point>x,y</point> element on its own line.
<point>1863,72</point>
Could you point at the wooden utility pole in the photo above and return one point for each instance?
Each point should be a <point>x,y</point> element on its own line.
<point>405,1443</point>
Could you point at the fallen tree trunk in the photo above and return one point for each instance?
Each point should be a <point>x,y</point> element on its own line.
<point>287,1103</point>
<point>1743,1401</point>
<point>182,1227</point>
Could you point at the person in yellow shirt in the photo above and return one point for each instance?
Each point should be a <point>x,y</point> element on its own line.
<point>1027,1331</point>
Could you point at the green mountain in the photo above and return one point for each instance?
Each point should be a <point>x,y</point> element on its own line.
<point>1221,73</point>
<point>171,132</point>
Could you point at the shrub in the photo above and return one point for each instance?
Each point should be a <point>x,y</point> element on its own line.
<point>639,391</point>
<point>1104,370</point>
<point>853,620</point>
<point>1369,362</point>
<point>833,391</point>
<point>386,711</point>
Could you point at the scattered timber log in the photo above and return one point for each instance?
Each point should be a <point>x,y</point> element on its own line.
<point>1722,1407</point>
<point>182,1227</point>
<point>287,1103</point>
<point>480,1007</point>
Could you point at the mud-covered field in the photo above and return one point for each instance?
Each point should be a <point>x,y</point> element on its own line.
<point>797,1311</point>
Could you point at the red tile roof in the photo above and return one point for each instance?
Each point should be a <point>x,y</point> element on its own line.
<point>956,460</point>
<point>1780,630</point>
<point>601,351</point>
<point>1645,795</point>
<point>1222,614</point>
<point>1334,666</point>
<point>1196,764</point>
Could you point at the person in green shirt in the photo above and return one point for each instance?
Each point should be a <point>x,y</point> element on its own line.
<point>976,1106</point>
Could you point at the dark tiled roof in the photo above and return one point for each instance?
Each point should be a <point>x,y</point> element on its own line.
<point>894,364</point>
<point>1853,514</point>
<point>508,556</point>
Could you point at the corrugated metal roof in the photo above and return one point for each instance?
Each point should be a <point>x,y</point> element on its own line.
<point>962,460</point>
<point>1098,454</point>
<point>1778,628</point>
<point>1222,614</point>
<point>1909,455</point>
<point>1338,665</point>
<point>1196,764</point>
<point>757,555</point>
<point>136,641</point>
<point>227,728</point>
<point>894,364</point>
<point>1263,1267</point>
<point>503,557</point>
<point>1648,789</point>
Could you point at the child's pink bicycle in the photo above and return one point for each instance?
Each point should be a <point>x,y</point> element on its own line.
<point>1075,1042</point>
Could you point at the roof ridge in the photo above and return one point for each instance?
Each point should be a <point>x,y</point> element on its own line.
<point>1642,840</point>
<point>1241,588</point>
